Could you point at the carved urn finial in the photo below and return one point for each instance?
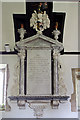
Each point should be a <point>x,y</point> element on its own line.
<point>56,32</point>
<point>22,31</point>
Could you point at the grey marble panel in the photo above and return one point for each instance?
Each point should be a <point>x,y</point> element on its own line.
<point>39,72</point>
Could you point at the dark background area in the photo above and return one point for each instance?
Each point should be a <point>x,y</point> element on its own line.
<point>25,20</point>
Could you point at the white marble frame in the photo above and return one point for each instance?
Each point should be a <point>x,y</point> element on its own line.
<point>50,44</point>
<point>22,56</point>
<point>54,45</point>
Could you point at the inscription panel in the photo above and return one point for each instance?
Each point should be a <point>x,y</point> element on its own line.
<point>39,72</point>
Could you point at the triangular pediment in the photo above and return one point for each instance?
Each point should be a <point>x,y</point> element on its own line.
<point>39,40</point>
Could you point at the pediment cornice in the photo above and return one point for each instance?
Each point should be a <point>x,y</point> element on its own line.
<point>41,41</point>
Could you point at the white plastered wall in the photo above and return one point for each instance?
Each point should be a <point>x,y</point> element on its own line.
<point>70,38</point>
<point>8,9</point>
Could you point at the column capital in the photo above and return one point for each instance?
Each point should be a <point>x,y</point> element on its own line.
<point>56,53</point>
<point>21,54</point>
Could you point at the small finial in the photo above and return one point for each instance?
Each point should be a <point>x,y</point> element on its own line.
<point>56,32</point>
<point>22,31</point>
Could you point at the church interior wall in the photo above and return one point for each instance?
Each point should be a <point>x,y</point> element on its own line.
<point>70,42</point>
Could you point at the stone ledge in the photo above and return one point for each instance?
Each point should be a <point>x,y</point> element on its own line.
<point>36,97</point>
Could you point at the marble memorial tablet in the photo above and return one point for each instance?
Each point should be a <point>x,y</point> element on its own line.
<point>38,72</point>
